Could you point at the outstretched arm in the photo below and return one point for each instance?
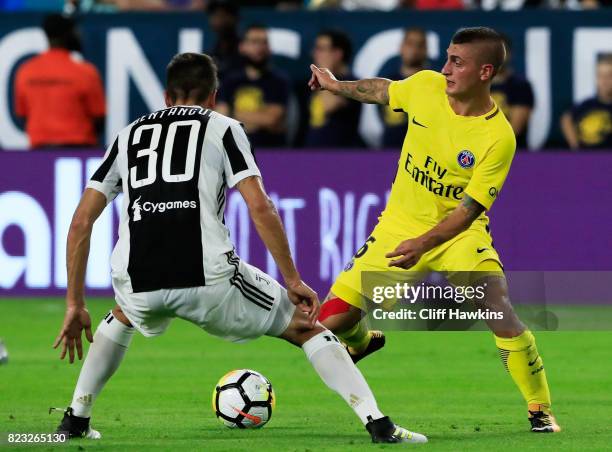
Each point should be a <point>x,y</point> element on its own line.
<point>270,228</point>
<point>369,90</point>
<point>410,251</point>
<point>77,251</point>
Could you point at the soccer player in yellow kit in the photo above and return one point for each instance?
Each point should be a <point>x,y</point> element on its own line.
<point>454,161</point>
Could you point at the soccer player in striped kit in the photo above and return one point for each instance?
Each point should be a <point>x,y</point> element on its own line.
<point>174,257</point>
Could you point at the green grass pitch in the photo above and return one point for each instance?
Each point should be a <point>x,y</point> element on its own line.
<point>450,386</point>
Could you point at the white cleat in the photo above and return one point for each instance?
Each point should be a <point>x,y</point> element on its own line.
<point>401,435</point>
<point>92,434</point>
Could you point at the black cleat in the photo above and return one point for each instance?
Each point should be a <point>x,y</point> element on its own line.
<point>377,341</point>
<point>542,421</point>
<point>76,427</point>
<point>383,430</point>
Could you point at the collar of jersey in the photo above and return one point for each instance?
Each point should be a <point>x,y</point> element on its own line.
<point>467,118</point>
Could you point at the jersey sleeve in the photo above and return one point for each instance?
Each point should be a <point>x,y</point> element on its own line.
<point>490,174</point>
<point>107,179</point>
<point>238,158</point>
<point>401,92</point>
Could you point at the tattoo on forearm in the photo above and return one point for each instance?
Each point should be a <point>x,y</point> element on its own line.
<point>370,90</point>
<point>470,210</point>
<point>472,207</point>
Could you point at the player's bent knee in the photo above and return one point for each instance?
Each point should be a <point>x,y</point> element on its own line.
<point>497,299</point>
<point>299,329</point>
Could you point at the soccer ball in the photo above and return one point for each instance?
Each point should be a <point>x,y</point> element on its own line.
<point>243,399</point>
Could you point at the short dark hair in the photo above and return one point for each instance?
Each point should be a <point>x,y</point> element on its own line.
<point>227,6</point>
<point>250,27</point>
<point>339,40</point>
<point>191,75</point>
<point>604,58</point>
<point>417,30</point>
<point>58,27</point>
<point>495,51</point>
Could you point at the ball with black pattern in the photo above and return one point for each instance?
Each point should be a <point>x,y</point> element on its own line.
<point>243,398</point>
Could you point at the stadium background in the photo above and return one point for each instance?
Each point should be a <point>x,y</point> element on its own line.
<point>338,199</point>
<point>552,215</point>
<point>555,50</point>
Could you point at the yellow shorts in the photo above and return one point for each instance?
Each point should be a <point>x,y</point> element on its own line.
<point>464,253</point>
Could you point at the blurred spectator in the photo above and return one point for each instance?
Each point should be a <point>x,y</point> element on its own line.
<point>514,95</point>
<point>595,4</point>
<point>510,5</point>
<point>178,5</point>
<point>134,5</point>
<point>256,95</point>
<point>432,4</point>
<point>589,124</point>
<point>223,20</point>
<point>61,99</point>
<point>278,4</point>
<point>413,53</point>
<point>90,6</point>
<point>289,5</point>
<point>334,120</point>
<point>351,5</point>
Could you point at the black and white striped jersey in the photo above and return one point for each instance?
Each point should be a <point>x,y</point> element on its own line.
<point>174,166</point>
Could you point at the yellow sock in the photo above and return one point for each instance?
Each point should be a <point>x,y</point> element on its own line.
<point>522,360</point>
<point>357,337</point>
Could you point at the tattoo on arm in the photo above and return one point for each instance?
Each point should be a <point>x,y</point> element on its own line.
<point>369,91</point>
<point>454,223</point>
<point>471,207</point>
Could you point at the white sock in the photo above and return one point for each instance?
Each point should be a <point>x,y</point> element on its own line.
<point>335,367</point>
<point>111,340</point>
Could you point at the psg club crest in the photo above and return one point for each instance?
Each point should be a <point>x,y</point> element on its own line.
<point>466,159</point>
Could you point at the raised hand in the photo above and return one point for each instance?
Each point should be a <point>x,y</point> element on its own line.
<point>321,78</point>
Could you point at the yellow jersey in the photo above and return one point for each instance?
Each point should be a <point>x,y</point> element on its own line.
<point>444,157</point>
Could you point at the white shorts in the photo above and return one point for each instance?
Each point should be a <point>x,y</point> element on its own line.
<point>249,305</point>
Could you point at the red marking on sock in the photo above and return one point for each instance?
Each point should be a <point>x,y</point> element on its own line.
<point>333,307</point>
